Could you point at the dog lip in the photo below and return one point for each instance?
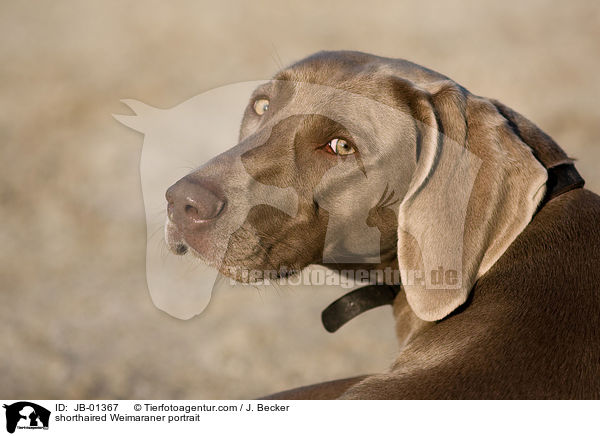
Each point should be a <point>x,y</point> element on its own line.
<point>174,239</point>
<point>191,239</point>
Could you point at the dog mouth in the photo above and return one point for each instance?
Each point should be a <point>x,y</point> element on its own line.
<point>235,263</point>
<point>246,259</point>
<point>175,240</point>
<point>180,249</point>
<point>182,241</point>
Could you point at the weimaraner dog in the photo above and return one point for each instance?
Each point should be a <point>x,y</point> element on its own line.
<point>379,164</point>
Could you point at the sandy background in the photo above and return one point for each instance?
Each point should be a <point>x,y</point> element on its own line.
<point>77,321</point>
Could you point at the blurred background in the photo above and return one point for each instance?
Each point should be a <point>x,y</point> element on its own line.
<point>77,318</point>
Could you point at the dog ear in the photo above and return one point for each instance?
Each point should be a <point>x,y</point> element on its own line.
<point>475,188</point>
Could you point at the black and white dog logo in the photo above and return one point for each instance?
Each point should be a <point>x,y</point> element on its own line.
<point>26,415</point>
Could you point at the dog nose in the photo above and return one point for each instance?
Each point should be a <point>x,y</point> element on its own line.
<point>192,203</point>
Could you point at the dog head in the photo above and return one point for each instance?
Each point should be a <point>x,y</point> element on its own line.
<point>351,160</point>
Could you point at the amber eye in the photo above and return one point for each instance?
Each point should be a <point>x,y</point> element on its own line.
<point>261,106</point>
<point>340,147</point>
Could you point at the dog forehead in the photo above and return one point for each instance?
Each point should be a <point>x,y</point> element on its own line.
<point>346,66</point>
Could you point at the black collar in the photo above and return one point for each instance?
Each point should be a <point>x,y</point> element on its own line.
<point>356,302</point>
<point>561,179</point>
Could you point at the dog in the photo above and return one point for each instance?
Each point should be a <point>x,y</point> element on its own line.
<point>380,164</point>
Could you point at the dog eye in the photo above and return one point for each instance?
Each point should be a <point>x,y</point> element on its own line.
<point>261,106</point>
<point>340,147</point>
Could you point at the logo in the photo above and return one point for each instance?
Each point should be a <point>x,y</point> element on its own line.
<point>26,415</point>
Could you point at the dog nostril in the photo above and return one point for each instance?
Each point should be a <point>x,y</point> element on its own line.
<point>181,249</point>
<point>191,212</point>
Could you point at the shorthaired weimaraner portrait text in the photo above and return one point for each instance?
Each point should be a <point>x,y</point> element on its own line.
<point>474,221</point>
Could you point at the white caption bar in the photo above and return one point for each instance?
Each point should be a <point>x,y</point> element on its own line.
<point>23,417</point>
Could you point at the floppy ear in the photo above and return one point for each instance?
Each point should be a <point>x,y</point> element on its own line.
<point>475,188</point>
